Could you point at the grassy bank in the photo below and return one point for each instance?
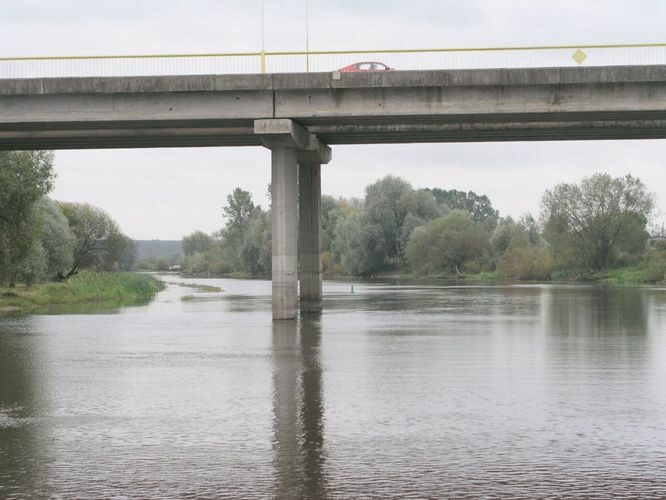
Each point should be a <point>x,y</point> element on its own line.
<point>84,287</point>
<point>621,276</point>
<point>631,275</point>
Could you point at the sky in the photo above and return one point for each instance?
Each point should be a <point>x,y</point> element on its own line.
<point>169,193</point>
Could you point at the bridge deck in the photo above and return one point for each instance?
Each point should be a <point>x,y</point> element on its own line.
<point>625,102</point>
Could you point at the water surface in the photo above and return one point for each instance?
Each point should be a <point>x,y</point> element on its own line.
<point>394,391</point>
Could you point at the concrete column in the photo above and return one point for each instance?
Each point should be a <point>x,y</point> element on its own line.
<point>309,251</point>
<point>284,178</point>
<point>291,145</point>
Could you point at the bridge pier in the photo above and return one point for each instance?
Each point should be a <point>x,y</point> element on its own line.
<point>309,237</point>
<point>296,227</point>
<point>284,220</point>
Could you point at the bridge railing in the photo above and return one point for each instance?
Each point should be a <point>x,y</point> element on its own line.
<point>315,61</point>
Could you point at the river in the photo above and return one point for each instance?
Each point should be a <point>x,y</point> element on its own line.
<point>396,390</point>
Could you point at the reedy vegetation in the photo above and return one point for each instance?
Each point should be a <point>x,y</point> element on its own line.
<point>86,286</point>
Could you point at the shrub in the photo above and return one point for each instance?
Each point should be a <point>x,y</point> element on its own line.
<point>527,263</point>
<point>654,266</point>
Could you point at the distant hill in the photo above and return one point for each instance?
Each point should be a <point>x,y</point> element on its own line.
<point>151,249</point>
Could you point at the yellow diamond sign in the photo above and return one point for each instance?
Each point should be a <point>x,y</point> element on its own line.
<point>579,56</point>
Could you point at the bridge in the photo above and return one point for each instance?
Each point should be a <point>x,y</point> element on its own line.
<point>298,116</point>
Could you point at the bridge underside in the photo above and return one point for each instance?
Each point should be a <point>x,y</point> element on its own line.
<point>370,130</point>
<point>298,115</point>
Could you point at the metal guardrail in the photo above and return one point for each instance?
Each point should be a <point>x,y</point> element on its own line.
<point>302,61</point>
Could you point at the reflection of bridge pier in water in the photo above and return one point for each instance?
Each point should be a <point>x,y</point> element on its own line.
<point>298,409</point>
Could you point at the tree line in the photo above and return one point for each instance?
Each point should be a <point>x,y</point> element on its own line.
<point>596,225</point>
<point>42,239</point>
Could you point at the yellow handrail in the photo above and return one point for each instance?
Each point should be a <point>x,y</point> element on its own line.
<point>129,56</point>
<point>337,52</point>
<point>469,49</point>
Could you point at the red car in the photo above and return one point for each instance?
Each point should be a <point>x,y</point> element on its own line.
<point>365,66</point>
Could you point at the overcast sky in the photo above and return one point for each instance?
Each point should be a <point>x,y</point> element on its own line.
<point>167,193</point>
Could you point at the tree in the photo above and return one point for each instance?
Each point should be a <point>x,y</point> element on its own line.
<point>531,228</point>
<point>239,208</point>
<point>25,177</point>
<point>243,245</point>
<point>51,252</point>
<point>161,264</point>
<point>55,239</point>
<point>510,234</point>
<point>597,218</point>
<point>331,209</point>
<point>198,241</point>
<point>479,207</point>
<point>387,204</point>
<point>119,255</point>
<point>99,242</point>
<point>255,251</point>
<point>358,248</point>
<point>503,235</point>
<point>518,249</point>
<point>446,244</point>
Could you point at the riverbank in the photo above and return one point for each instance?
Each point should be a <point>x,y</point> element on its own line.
<point>85,287</point>
<point>633,275</point>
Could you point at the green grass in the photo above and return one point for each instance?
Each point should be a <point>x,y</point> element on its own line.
<point>485,276</point>
<point>202,288</point>
<point>84,287</point>
<point>623,276</point>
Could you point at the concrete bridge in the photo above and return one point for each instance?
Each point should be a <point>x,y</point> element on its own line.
<point>299,115</point>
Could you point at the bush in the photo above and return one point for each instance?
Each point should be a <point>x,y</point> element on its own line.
<point>654,266</point>
<point>447,244</point>
<point>473,266</point>
<point>527,263</point>
<point>563,275</point>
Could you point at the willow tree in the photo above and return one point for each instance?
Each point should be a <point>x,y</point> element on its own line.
<point>98,238</point>
<point>446,244</point>
<point>25,177</point>
<point>388,203</point>
<point>597,218</point>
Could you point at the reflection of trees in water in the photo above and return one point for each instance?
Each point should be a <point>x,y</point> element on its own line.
<point>599,325</point>
<point>298,409</point>
<point>468,300</point>
<point>598,311</point>
<point>18,380</point>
